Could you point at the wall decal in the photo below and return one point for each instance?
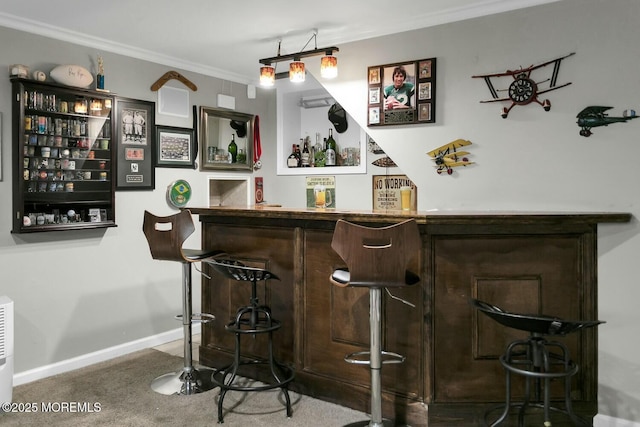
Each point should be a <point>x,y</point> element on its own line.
<point>524,90</point>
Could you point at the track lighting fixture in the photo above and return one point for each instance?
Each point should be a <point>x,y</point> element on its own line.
<point>328,64</point>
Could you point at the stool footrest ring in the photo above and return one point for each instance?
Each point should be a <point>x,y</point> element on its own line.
<point>285,370</point>
<point>198,317</point>
<point>356,359</point>
<point>578,421</point>
<point>258,328</point>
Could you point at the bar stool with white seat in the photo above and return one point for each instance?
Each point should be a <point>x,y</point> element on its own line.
<point>377,259</point>
<point>165,236</point>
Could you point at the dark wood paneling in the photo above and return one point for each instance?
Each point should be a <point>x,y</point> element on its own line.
<point>272,248</point>
<point>535,263</point>
<point>535,275</point>
<point>336,323</point>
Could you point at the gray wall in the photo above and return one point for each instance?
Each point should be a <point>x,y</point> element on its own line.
<point>533,160</point>
<point>82,294</point>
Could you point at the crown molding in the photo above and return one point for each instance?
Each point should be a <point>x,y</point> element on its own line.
<point>57,33</point>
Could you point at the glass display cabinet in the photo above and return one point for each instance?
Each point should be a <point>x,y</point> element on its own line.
<point>62,158</point>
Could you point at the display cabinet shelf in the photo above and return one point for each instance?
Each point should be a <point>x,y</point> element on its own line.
<point>62,158</point>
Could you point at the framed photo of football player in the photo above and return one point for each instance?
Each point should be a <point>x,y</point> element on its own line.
<point>398,90</point>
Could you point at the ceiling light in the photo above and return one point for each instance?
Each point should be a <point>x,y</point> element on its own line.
<point>296,71</point>
<point>267,75</point>
<point>328,68</point>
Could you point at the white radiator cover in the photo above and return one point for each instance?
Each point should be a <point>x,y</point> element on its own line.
<point>6,349</point>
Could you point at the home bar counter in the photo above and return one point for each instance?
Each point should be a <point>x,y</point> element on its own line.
<point>525,262</point>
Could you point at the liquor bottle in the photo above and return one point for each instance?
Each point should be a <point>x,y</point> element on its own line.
<point>299,154</point>
<point>233,149</point>
<point>330,152</point>
<point>292,160</point>
<point>305,158</point>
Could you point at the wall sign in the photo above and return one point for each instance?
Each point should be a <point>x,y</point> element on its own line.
<point>402,93</point>
<point>321,192</point>
<point>179,193</point>
<point>387,193</point>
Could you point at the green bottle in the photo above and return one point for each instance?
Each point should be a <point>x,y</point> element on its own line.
<point>330,151</point>
<point>233,149</point>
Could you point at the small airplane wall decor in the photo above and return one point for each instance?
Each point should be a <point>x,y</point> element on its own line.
<point>524,90</point>
<point>595,116</point>
<point>447,157</point>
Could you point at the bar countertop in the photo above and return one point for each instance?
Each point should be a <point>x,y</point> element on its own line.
<point>440,217</point>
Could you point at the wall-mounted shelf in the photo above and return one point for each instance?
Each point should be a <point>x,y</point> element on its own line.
<point>301,112</point>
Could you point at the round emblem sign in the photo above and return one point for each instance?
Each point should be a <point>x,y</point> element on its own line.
<point>179,193</point>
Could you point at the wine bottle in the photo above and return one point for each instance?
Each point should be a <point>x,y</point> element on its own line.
<point>330,152</point>
<point>305,154</point>
<point>292,160</point>
<point>233,149</point>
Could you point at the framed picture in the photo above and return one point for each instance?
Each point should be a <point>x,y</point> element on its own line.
<point>424,91</point>
<point>374,95</point>
<point>134,144</point>
<point>374,75</point>
<point>175,147</point>
<point>402,93</point>
<point>424,112</point>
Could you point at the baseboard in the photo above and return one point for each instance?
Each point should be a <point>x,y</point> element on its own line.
<point>99,356</point>
<point>607,421</point>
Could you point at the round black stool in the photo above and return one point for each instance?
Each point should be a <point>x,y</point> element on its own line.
<point>252,319</point>
<point>538,360</point>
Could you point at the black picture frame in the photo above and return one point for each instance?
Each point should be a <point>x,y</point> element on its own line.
<point>175,147</point>
<point>404,105</point>
<point>135,144</point>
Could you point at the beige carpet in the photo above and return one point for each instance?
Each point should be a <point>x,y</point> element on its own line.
<point>117,393</point>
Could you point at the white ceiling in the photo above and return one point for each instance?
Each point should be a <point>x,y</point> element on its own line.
<point>227,38</point>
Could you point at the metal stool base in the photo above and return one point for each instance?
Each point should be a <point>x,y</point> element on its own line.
<point>250,321</point>
<point>189,380</point>
<point>369,423</point>
<point>183,383</point>
<point>532,359</point>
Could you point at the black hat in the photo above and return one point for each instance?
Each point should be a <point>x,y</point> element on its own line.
<point>239,127</point>
<point>338,117</point>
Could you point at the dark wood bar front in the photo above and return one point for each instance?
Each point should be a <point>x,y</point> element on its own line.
<point>540,263</point>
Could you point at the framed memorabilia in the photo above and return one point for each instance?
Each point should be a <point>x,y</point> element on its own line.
<point>135,144</point>
<point>402,93</point>
<point>175,147</point>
